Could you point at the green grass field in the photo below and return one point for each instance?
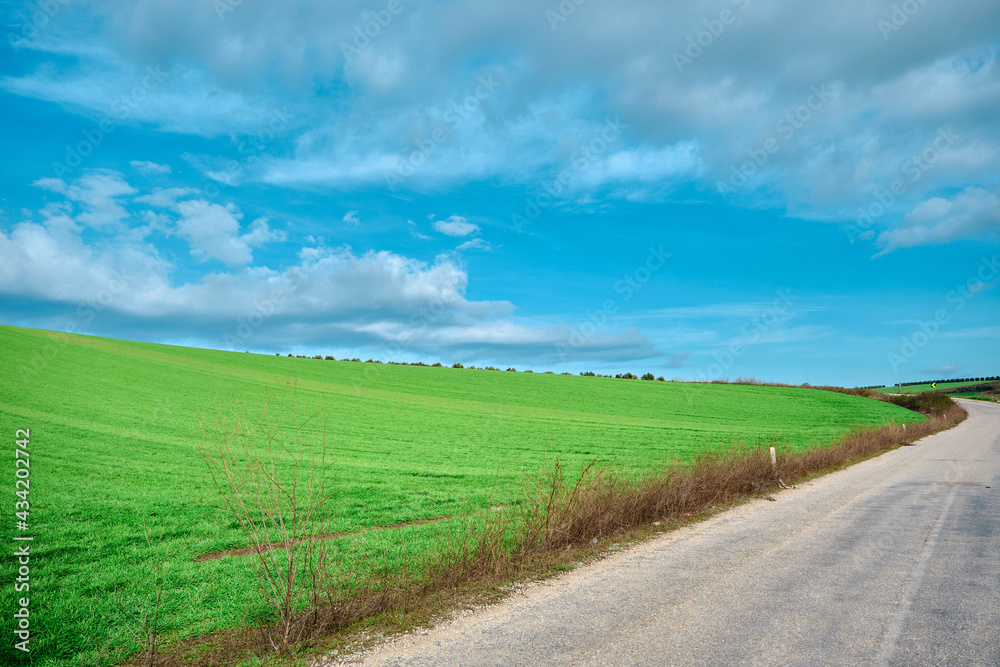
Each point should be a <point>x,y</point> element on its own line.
<point>979,396</point>
<point>114,447</point>
<point>918,388</point>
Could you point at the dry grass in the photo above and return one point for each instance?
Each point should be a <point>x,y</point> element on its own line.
<point>559,523</point>
<point>599,504</point>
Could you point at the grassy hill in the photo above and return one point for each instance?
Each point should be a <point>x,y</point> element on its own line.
<point>919,388</point>
<point>115,456</point>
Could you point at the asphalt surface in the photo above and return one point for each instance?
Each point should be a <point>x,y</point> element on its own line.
<point>894,561</point>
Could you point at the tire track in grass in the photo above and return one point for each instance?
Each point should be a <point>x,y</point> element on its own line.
<point>246,551</point>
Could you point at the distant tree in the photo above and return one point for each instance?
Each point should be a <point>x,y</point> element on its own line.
<point>648,376</point>
<point>660,379</point>
<point>457,365</point>
<point>512,369</point>
<point>588,374</point>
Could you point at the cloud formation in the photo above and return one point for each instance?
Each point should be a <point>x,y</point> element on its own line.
<point>809,109</point>
<point>147,168</point>
<point>455,225</point>
<point>213,232</point>
<point>382,301</point>
<point>972,213</point>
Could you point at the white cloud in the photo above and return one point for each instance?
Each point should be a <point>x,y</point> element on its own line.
<point>679,360</point>
<point>165,197</point>
<point>973,213</point>
<point>415,232</point>
<point>644,164</point>
<point>53,184</point>
<point>351,217</point>
<point>940,87</point>
<point>503,339</point>
<point>474,243</point>
<point>377,299</point>
<point>213,232</point>
<point>381,70</point>
<point>338,169</point>
<point>184,100</point>
<point>147,168</point>
<point>693,127</point>
<point>381,301</point>
<point>688,127</point>
<point>456,226</point>
<point>260,234</point>
<point>97,191</point>
<point>51,262</point>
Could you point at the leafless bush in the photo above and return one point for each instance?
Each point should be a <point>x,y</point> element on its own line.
<point>271,478</point>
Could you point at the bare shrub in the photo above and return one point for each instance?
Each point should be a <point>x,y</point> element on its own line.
<point>272,481</point>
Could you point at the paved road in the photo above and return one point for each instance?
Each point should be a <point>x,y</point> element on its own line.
<point>895,561</point>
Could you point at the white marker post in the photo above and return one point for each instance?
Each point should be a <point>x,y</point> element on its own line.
<point>774,461</point>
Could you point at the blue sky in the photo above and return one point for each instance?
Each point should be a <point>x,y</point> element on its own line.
<point>800,192</point>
